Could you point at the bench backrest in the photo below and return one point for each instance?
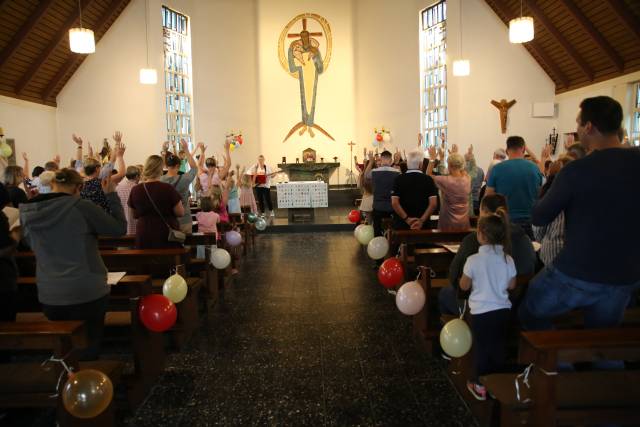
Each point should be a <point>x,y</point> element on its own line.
<point>413,237</point>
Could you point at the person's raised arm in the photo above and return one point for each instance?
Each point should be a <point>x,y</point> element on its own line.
<point>78,142</point>
<point>370,163</point>
<point>203,148</point>
<point>185,147</point>
<point>222,172</point>
<point>165,149</point>
<point>119,150</point>
<point>27,171</point>
<point>433,154</point>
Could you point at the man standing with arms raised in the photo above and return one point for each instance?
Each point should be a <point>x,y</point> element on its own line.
<point>519,180</point>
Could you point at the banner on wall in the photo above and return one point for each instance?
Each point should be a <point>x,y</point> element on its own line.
<point>305,56</point>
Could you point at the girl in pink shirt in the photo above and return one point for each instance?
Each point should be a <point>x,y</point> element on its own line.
<point>207,219</point>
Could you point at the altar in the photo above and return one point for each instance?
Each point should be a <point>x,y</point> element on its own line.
<point>309,171</point>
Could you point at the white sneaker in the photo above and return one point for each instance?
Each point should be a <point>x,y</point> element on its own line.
<point>272,214</point>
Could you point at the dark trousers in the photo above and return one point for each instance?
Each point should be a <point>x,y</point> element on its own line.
<point>378,216</point>
<point>526,227</point>
<point>93,315</point>
<point>263,196</point>
<point>489,341</point>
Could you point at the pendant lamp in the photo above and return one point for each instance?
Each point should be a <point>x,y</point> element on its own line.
<point>521,29</point>
<point>81,40</point>
<point>461,67</point>
<point>148,76</point>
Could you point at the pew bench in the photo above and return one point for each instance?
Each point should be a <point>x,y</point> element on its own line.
<point>30,385</point>
<point>572,398</point>
<point>121,323</point>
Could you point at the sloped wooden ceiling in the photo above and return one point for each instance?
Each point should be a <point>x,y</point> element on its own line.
<point>35,60</point>
<point>580,42</point>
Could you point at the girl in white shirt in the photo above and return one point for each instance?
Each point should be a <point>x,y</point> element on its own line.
<point>489,274</point>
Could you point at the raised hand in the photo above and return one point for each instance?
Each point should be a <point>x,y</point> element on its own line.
<point>569,141</point>
<point>77,139</point>
<point>90,150</point>
<point>120,149</point>
<point>165,146</point>
<point>454,149</point>
<point>184,146</point>
<point>546,152</point>
<point>433,152</point>
<point>441,153</point>
<point>57,159</point>
<point>117,137</point>
<point>227,144</point>
<point>420,139</point>
<point>24,156</point>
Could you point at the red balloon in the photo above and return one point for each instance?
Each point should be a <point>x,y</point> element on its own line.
<point>240,139</point>
<point>379,137</point>
<point>157,312</point>
<point>391,273</point>
<point>354,216</point>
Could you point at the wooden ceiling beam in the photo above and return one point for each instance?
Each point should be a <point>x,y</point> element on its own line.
<point>500,8</point>
<point>76,59</point>
<point>626,16</point>
<point>25,29</point>
<point>548,25</point>
<point>595,35</point>
<point>53,44</point>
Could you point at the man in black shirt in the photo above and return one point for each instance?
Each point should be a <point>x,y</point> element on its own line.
<point>382,178</point>
<point>414,196</point>
<point>598,268</point>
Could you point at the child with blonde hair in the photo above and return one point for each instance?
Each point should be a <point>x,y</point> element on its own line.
<point>247,199</point>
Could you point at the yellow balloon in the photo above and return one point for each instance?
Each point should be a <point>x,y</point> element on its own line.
<point>455,338</point>
<point>87,393</point>
<point>5,150</point>
<point>175,288</point>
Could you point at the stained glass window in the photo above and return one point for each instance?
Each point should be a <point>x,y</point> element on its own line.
<point>433,72</point>
<point>177,75</point>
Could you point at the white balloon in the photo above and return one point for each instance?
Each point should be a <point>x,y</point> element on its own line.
<point>410,298</point>
<point>378,247</point>
<point>261,224</point>
<point>456,338</point>
<point>220,258</point>
<point>358,227</point>
<point>364,234</point>
<point>175,288</point>
<point>386,137</point>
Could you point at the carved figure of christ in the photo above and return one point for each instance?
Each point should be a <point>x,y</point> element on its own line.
<point>503,106</point>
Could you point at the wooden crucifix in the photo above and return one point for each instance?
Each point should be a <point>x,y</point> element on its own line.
<point>503,106</point>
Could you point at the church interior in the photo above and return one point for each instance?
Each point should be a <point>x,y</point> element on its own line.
<point>319,212</point>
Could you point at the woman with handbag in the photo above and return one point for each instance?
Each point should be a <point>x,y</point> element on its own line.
<point>156,206</point>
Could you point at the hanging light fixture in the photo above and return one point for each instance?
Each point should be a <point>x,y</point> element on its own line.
<point>461,67</point>
<point>148,76</point>
<point>81,40</point>
<point>521,29</point>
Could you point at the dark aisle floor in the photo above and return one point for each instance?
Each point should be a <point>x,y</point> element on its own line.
<point>306,336</point>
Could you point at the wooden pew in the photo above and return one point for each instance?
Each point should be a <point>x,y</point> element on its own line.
<point>122,316</point>
<point>574,398</point>
<point>155,262</point>
<point>198,266</point>
<point>407,240</point>
<point>30,385</point>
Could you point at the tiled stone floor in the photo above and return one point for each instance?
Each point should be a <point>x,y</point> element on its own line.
<point>305,336</point>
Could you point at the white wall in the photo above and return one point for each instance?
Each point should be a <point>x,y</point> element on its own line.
<point>33,126</point>
<point>499,70</point>
<point>619,88</point>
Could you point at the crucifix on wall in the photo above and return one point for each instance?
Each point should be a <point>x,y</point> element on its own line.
<point>503,106</point>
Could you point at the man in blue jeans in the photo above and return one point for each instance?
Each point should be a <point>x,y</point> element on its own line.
<point>598,269</point>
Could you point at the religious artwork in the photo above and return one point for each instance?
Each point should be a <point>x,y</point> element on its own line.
<point>503,106</point>
<point>304,59</point>
<point>309,155</point>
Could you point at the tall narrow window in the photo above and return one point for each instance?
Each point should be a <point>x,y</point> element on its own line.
<point>634,137</point>
<point>177,75</point>
<point>433,72</point>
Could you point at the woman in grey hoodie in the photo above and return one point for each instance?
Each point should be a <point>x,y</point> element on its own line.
<point>62,229</point>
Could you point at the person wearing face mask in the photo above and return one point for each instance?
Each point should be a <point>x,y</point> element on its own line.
<point>62,228</point>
